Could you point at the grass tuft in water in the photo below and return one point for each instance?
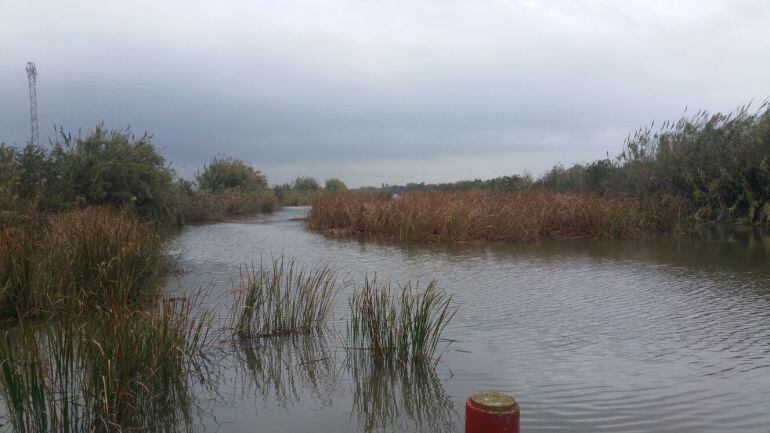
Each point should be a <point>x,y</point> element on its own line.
<point>404,324</point>
<point>283,297</point>
<point>114,371</point>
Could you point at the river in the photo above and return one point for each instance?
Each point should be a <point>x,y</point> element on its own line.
<point>664,335</point>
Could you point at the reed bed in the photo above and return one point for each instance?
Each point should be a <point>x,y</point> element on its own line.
<point>398,325</point>
<point>76,260</point>
<point>283,297</point>
<point>118,370</point>
<point>474,216</point>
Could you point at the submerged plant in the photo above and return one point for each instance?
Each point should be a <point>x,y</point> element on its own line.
<point>404,324</point>
<point>283,298</point>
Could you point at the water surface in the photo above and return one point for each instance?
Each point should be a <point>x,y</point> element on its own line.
<point>667,335</point>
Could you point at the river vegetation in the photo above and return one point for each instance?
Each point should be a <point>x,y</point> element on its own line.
<point>116,168</point>
<point>401,324</point>
<point>475,215</point>
<point>77,260</point>
<point>707,168</point>
<point>112,370</point>
<point>226,187</point>
<point>103,168</point>
<point>283,297</point>
<point>303,190</point>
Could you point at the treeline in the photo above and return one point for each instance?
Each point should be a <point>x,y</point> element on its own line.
<point>303,190</point>
<point>718,165</point>
<point>118,169</point>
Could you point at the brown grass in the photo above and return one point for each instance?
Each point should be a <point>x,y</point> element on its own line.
<point>472,216</point>
<point>206,206</point>
<point>75,260</point>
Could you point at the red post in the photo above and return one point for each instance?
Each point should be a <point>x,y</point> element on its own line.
<point>491,412</point>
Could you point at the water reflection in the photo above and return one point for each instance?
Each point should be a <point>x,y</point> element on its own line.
<point>409,394</point>
<point>285,369</point>
<point>614,336</point>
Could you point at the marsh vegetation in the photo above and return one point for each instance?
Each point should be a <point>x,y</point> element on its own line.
<point>475,215</point>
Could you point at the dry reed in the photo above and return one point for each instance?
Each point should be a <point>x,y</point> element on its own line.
<point>472,216</point>
<point>80,259</point>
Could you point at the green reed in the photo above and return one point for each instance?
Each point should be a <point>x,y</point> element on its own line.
<point>404,324</point>
<point>113,371</point>
<point>283,297</point>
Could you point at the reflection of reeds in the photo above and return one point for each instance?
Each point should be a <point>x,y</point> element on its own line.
<point>118,370</point>
<point>388,393</point>
<point>398,325</point>
<point>283,298</point>
<point>434,216</point>
<point>282,368</point>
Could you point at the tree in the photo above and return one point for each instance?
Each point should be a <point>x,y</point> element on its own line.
<point>224,173</point>
<point>335,185</point>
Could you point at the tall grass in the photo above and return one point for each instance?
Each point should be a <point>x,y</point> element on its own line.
<point>118,370</point>
<point>76,260</point>
<point>404,324</point>
<point>283,297</point>
<point>469,216</point>
<point>207,206</point>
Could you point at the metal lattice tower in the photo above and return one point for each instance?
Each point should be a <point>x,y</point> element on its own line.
<point>32,76</point>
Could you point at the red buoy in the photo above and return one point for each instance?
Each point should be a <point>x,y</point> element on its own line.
<point>491,412</point>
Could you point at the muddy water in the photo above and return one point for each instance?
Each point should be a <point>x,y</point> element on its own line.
<point>632,336</point>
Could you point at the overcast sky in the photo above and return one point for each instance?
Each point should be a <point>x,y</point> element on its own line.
<point>380,91</point>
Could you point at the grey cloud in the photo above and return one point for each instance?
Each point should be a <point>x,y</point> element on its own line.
<point>364,90</point>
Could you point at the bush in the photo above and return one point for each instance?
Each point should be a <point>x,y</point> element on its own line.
<point>227,187</point>
<point>300,192</point>
<point>335,185</point>
<point>226,173</point>
<point>719,163</point>
<point>106,167</point>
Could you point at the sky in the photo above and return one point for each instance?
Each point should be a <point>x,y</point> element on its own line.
<point>379,92</point>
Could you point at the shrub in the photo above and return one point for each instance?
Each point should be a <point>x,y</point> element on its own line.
<point>300,192</point>
<point>226,173</point>
<point>105,167</point>
<point>719,163</point>
<point>335,185</point>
